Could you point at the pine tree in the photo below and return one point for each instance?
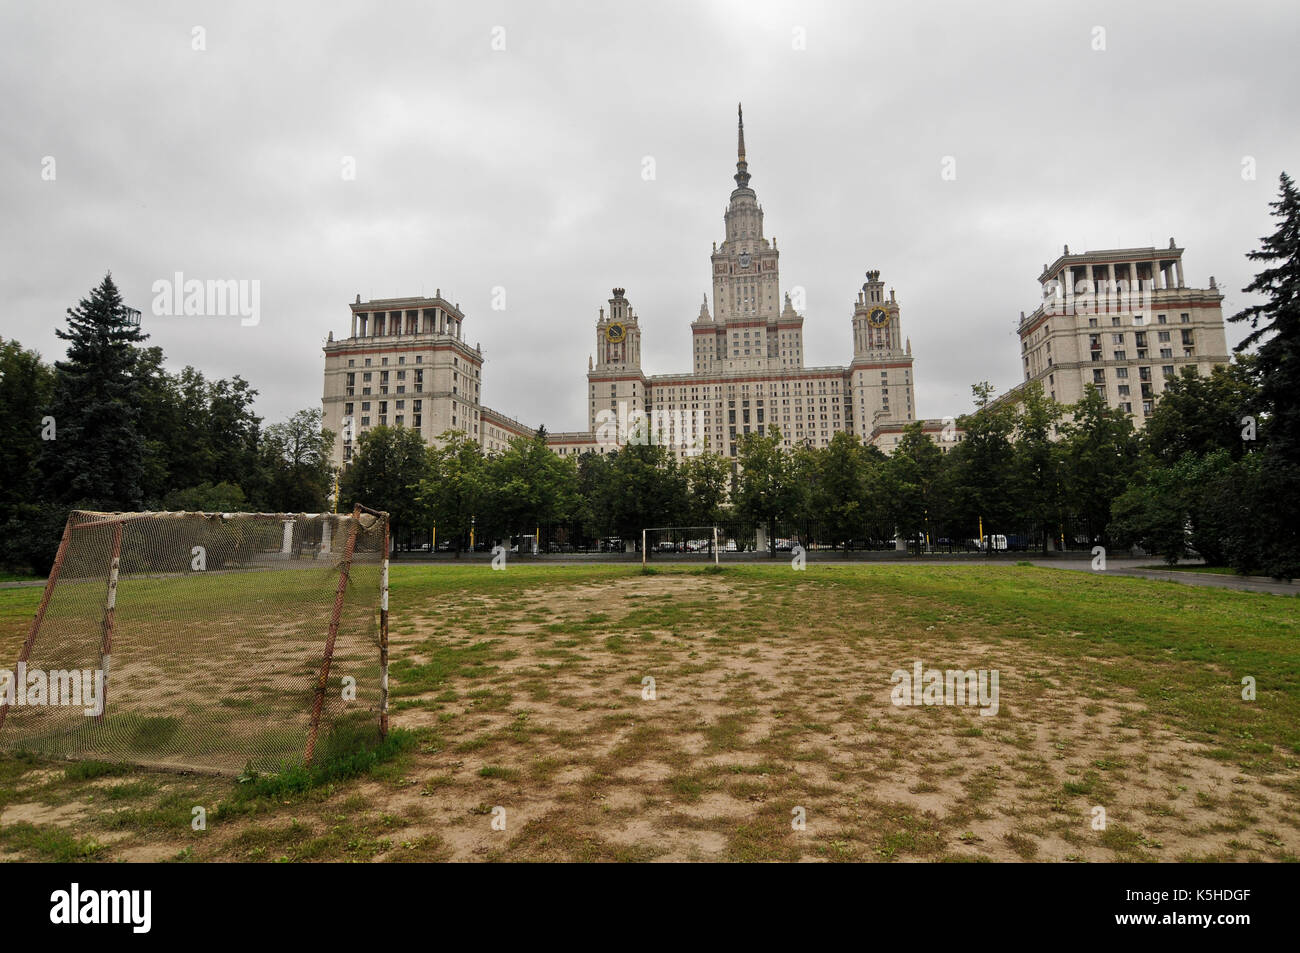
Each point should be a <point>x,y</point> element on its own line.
<point>1271,497</point>
<point>96,458</point>
<point>1275,325</point>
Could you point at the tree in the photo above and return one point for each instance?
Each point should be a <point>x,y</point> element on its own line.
<point>984,464</point>
<point>1272,506</point>
<point>1101,454</point>
<point>455,489</point>
<point>912,481</point>
<point>529,487</point>
<point>232,430</point>
<point>647,488</point>
<point>1200,415</point>
<point>595,493</point>
<point>1275,325</point>
<point>839,493</point>
<point>97,456</point>
<point>1182,509</point>
<point>26,383</point>
<point>29,527</point>
<point>207,498</point>
<point>707,475</point>
<point>1038,461</point>
<point>386,474</point>
<point>295,460</point>
<point>1152,515</point>
<point>769,489</point>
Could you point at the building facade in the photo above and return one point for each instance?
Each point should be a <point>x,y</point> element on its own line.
<point>747,358</point>
<point>1122,320</point>
<point>406,363</point>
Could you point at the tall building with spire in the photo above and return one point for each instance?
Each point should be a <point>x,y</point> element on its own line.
<point>747,355</point>
<point>405,363</point>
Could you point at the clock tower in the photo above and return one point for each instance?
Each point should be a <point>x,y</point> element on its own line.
<point>616,376</point>
<point>881,373</point>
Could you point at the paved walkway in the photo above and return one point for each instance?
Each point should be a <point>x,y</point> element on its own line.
<point>1125,566</point>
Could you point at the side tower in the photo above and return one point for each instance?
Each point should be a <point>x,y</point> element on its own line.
<point>615,378</point>
<point>404,364</point>
<point>880,377</point>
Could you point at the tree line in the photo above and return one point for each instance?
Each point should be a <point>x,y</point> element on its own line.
<point>109,428</point>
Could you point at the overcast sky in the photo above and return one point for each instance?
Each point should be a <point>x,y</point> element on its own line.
<point>522,168</point>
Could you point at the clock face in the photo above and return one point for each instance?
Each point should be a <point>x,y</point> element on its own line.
<point>615,332</point>
<point>878,317</point>
<point>745,259</point>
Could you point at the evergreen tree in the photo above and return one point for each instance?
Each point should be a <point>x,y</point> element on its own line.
<point>97,458</point>
<point>1271,506</point>
<point>1275,326</point>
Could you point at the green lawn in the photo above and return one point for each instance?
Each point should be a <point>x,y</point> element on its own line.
<point>519,695</point>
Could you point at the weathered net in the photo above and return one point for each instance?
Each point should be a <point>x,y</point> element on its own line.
<point>209,647</point>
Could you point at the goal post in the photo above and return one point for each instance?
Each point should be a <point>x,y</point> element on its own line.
<point>216,642</point>
<point>707,543</point>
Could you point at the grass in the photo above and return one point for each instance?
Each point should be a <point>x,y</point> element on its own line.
<point>518,700</point>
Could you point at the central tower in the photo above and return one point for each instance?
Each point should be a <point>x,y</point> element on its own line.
<point>749,330</point>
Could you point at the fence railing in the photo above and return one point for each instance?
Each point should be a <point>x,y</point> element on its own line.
<point>987,537</point>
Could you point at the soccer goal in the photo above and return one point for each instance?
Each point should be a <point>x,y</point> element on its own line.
<point>213,642</point>
<point>704,543</point>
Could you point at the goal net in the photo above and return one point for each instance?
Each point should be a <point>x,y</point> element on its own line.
<point>707,543</point>
<point>216,642</point>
